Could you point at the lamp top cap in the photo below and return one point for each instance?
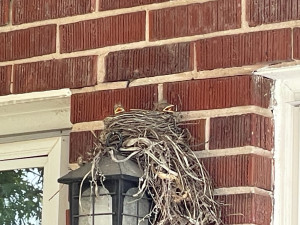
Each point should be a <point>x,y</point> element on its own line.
<point>107,166</point>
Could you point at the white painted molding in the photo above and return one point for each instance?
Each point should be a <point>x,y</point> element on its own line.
<point>55,195</point>
<point>35,112</point>
<point>26,149</point>
<point>23,163</point>
<point>289,77</point>
<point>287,133</point>
<point>279,73</point>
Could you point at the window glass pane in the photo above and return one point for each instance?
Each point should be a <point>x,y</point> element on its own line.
<point>137,207</point>
<point>103,204</point>
<point>144,222</point>
<point>129,220</point>
<point>130,203</point>
<point>21,194</point>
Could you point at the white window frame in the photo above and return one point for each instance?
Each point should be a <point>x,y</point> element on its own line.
<point>287,143</point>
<point>52,155</point>
<point>34,132</point>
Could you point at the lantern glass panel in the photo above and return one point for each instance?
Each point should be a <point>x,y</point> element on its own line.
<point>100,207</point>
<point>135,208</point>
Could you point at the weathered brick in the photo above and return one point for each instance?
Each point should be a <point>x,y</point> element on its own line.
<point>149,62</point>
<point>98,105</point>
<point>80,144</point>
<point>118,4</point>
<point>219,93</point>
<point>271,11</point>
<point>241,130</point>
<point>194,19</point>
<point>4,12</point>
<point>27,43</point>
<point>196,128</point>
<point>23,12</point>
<point>296,41</point>
<point>261,91</point>
<point>55,74</point>
<point>68,217</point>
<point>246,209</point>
<point>107,31</point>
<point>240,170</point>
<point>244,49</point>
<point>5,75</point>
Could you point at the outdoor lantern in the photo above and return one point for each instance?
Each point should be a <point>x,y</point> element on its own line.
<point>114,203</point>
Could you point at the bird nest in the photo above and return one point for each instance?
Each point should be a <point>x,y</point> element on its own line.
<point>173,176</point>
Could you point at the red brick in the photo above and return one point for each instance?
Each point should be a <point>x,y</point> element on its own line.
<point>118,4</point>
<point>107,31</point>
<point>80,144</point>
<point>196,128</point>
<point>98,105</point>
<point>23,12</point>
<point>68,217</point>
<point>244,49</point>
<point>149,62</point>
<point>195,19</point>
<point>261,91</point>
<point>240,170</point>
<point>296,41</point>
<point>55,74</point>
<point>4,12</point>
<point>219,93</point>
<point>246,209</point>
<point>27,43</point>
<point>271,11</point>
<point>241,130</point>
<point>5,75</point>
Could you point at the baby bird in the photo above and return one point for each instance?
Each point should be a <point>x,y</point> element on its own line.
<point>163,106</point>
<point>118,108</point>
<point>80,161</point>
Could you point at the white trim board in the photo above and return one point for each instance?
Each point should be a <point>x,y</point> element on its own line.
<point>23,163</point>
<point>286,152</point>
<point>26,149</point>
<point>35,112</point>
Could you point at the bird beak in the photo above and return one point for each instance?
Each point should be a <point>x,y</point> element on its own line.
<point>119,110</point>
<point>168,108</point>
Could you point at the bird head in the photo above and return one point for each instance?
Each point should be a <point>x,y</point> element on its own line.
<point>163,106</point>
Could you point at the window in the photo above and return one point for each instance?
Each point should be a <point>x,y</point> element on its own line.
<point>50,154</point>
<point>34,133</point>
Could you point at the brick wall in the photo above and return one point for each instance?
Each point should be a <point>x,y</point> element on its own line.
<point>197,54</point>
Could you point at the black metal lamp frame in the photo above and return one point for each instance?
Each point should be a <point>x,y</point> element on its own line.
<point>117,186</point>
